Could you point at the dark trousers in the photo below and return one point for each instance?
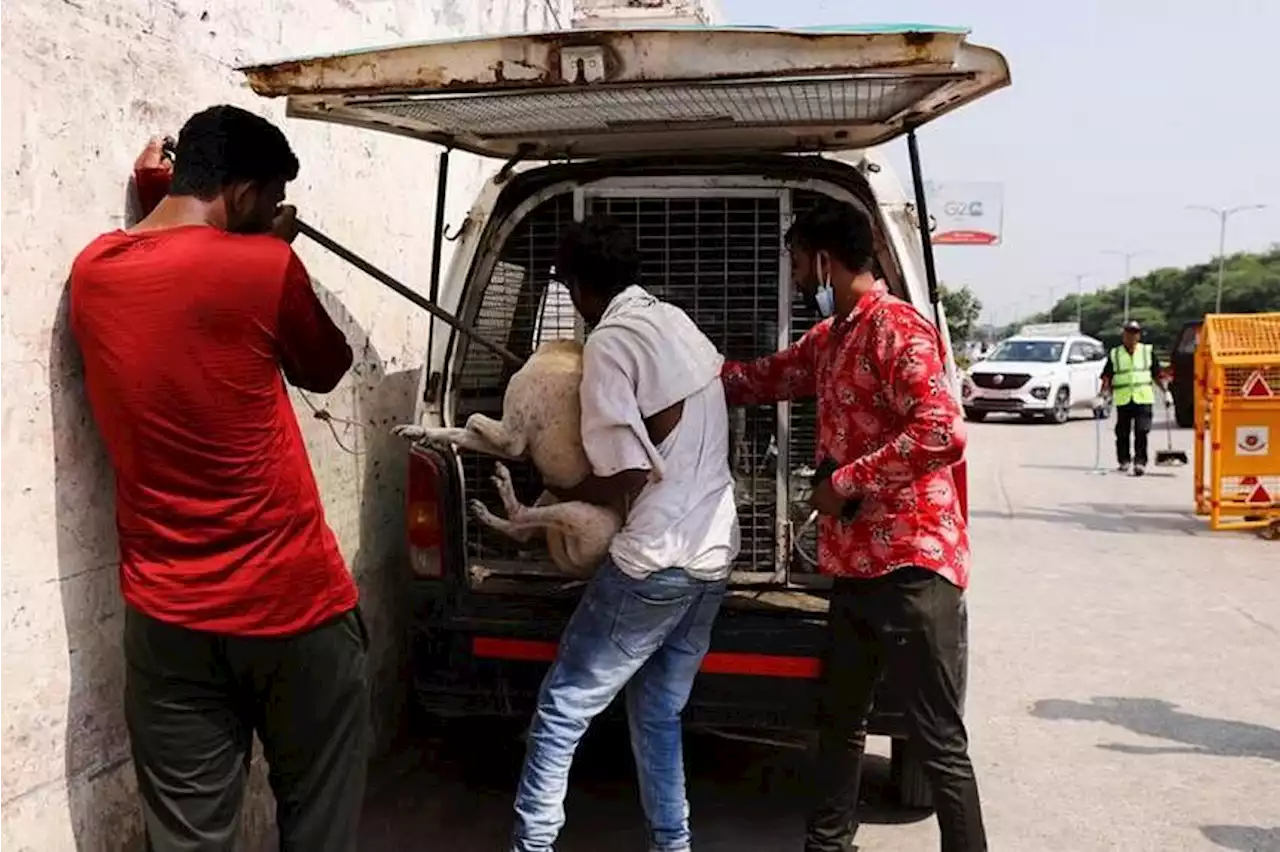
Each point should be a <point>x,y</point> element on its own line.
<point>1135,417</point>
<point>193,701</point>
<point>909,626</point>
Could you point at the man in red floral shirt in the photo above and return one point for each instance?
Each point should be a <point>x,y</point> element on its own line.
<point>891,534</point>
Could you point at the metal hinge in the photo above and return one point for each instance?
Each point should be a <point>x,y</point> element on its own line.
<point>580,65</point>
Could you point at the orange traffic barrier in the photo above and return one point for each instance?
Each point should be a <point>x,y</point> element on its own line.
<point>1237,421</point>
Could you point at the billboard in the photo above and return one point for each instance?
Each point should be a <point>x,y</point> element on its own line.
<point>965,213</point>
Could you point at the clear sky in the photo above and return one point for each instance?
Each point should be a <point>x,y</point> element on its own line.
<point>1121,113</point>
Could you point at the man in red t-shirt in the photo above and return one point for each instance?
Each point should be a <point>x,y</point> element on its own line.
<point>241,616</point>
<point>891,531</point>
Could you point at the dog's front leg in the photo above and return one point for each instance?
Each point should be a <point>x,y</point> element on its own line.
<point>481,435</point>
<point>503,440</point>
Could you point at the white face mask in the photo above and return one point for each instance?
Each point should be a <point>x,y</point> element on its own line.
<point>825,297</point>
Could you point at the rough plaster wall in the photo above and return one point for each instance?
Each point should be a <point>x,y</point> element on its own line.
<point>622,13</point>
<point>85,83</point>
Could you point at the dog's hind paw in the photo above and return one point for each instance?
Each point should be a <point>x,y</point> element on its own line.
<point>480,511</point>
<point>506,491</point>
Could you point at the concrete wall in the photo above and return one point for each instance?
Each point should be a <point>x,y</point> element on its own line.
<point>85,82</point>
<point>625,13</point>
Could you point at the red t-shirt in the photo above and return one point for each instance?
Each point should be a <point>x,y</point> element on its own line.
<point>184,334</point>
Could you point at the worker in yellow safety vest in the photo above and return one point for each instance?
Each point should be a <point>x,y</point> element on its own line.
<point>1132,377</point>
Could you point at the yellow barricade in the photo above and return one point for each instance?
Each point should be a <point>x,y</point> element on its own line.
<point>1237,420</point>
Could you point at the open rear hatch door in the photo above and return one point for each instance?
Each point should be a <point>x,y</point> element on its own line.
<point>601,93</point>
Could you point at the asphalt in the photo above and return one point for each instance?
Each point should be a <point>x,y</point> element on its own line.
<point>1124,695</point>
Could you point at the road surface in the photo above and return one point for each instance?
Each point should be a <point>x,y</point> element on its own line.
<point>1124,695</point>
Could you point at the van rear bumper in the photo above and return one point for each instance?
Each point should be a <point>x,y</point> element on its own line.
<point>478,655</point>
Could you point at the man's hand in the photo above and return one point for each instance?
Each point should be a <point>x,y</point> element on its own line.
<point>825,499</point>
<point>285,225</point>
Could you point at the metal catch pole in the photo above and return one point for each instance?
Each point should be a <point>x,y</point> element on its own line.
<point>427,305</point>
<point>922,214</point>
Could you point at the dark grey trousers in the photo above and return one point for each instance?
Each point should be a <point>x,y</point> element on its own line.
<point>193,701</point>
<point>907,626</point>
<point>1136,418</point>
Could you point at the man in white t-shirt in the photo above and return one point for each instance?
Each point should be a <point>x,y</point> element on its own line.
<point>655,428</point>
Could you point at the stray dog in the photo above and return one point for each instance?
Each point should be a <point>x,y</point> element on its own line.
<point>541,420</point>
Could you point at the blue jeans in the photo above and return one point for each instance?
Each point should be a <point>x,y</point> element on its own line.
<point>648,636</point>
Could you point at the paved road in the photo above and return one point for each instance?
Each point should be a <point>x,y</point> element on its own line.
<point>1125,690</point>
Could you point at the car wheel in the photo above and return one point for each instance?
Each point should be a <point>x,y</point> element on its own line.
<point>1061,407</point>
<point>975,415</point>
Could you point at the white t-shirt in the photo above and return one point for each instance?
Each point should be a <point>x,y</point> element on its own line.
<point>686,516</point>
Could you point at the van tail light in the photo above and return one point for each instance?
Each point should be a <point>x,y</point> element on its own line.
<point>424,513</point>
<point>960,473</point>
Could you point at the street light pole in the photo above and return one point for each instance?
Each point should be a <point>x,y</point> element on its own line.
<point>1128,275</point>
<point>1080,300</point>
<point>1223,215</point>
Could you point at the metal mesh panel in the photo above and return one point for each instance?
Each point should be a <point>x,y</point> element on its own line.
<point>1245,381</point>
<point>804,424</point>
<point>603,109</point>
<point>719,259</point>
<point>1252,338</point>
<point>519,309</point>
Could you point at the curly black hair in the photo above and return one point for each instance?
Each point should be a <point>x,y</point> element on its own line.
<point>223,145</point>
<point>599,255</point>
<point>838,228</point>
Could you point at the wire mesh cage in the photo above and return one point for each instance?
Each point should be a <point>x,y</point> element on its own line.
<point>719,257</point>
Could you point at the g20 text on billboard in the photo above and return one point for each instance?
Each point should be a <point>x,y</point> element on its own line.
<point>965,213</point>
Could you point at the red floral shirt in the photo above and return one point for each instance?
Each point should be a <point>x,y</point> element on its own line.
<point>888,418</point>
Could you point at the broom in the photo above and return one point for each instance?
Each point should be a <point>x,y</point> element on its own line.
<point>1169,457</point>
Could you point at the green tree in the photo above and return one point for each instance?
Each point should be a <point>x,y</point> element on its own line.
<point>1164,300</point>
<point>962,309</point>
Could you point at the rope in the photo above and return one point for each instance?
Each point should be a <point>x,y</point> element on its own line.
<point>323,415</point>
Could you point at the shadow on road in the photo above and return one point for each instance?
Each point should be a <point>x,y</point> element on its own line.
<point>1152,717</point>
<point>1243,838</point>
<point>456,788</point>
<point>1107,470</point>
<point>1105,517</point>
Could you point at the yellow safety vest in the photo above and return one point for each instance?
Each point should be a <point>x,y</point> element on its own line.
<point>1131,375</point>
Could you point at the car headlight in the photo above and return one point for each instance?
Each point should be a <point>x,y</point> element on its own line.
<point>1040,392</point>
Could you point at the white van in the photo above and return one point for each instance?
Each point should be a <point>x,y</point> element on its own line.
<point>707,142</point>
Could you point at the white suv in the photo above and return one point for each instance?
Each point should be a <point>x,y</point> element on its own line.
<point>1038,376</point>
